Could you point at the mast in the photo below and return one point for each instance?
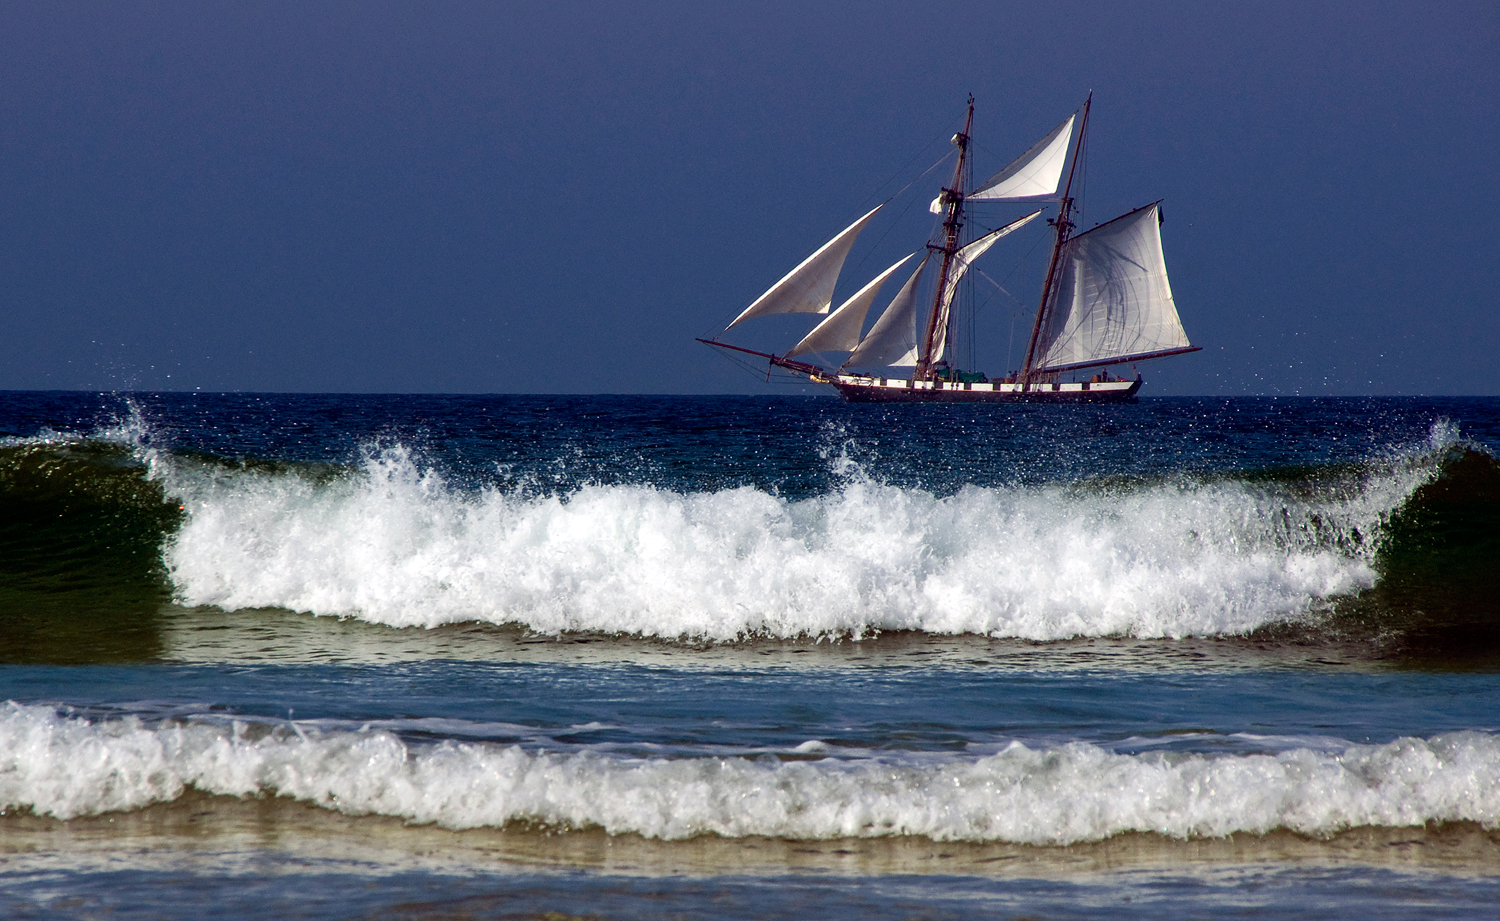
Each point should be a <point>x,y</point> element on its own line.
<point>952,226</point>
<point>1064,229</point>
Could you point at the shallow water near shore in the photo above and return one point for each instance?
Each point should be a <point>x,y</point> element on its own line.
<point>346,656</point>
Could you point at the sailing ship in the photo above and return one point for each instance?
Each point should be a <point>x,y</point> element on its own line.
<point>1105,301</point>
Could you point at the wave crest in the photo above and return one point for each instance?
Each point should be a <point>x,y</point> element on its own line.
<point>395,544</point>
<point>65,766</point>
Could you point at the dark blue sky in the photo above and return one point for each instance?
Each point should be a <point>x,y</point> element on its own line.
<point>486,197</point>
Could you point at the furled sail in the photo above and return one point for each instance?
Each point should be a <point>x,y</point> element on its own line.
<point>961,262</point>
<point>1033,176</point>
<point>840,332</point>
<point>893,338</point>
<point>809,287</point>
<point>1112,301</point>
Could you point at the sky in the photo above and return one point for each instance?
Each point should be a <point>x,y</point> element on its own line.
<point>558,198</point>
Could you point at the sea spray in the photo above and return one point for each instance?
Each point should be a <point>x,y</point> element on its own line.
<point>394,540</point>
<point>395,543</point>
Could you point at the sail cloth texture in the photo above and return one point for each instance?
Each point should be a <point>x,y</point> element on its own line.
<point>809,287</point>
<point>961,262</point>
<point>1033,176</point>
<point>1112,302</point>
<point>893,338</point>
<point>840,331</point>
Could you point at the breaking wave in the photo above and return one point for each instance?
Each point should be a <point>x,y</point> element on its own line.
<point>391,541</point>
<point>63,765</point>
<point>397,545</point>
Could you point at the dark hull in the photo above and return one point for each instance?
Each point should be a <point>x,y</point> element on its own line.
<point>870,393</point>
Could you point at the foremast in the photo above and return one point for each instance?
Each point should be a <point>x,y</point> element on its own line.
<point>1064,225</point>
<point>953,223</point>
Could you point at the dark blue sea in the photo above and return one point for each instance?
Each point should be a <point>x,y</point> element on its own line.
<point>333,656</point>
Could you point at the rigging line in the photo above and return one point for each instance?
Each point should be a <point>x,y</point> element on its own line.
<point>892,224</point>
<point>782,376</point>
<point>1010,347</point>
<point>1080,202</point>
<point>713,334</point>
<point>1014,269</point>
<point>990,153</point>
<point>865,257</point>
<point>973,318</point>
<point>999,287</point>
<point>1016,303</point>
<point>789,379</point>
<point>981,305</point>
<point>936,139</point>
<point>760,372</point>
<point>905,210</point>
<point>919,176</point>
<point>741,363</point>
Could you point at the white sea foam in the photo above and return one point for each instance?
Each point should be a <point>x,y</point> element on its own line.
<point>45,437</point>
<point>65,766</point>
<point>395,544</point>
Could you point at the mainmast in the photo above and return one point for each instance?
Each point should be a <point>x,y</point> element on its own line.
<point>952,226</point>
<point>1064,230</point>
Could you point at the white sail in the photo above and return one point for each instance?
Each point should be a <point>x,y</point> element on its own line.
<point>1113,302</point>
<point>893,338</point>
<point>809,287</point>
<point>961,262</point>
<point>1033,176</point>
<point>840,331</point>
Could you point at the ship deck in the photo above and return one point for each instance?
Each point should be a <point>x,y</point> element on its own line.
<point>858,389</point>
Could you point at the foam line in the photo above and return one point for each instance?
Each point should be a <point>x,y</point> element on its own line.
<point>65,766</point>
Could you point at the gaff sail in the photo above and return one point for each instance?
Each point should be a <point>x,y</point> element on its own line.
<point>1113,302</point>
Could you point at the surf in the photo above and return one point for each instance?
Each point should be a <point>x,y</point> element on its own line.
<point>65,765</point>
<point>394,540</point>
<point>396,544</point>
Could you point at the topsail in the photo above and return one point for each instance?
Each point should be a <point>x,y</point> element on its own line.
<point>1033,176</point>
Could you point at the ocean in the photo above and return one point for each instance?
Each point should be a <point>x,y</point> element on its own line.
<point>358,656</point>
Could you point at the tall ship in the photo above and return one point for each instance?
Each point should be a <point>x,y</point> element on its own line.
<point>1105,299</point>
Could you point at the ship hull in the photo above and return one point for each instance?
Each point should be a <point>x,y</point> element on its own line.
<point>880,390</point>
